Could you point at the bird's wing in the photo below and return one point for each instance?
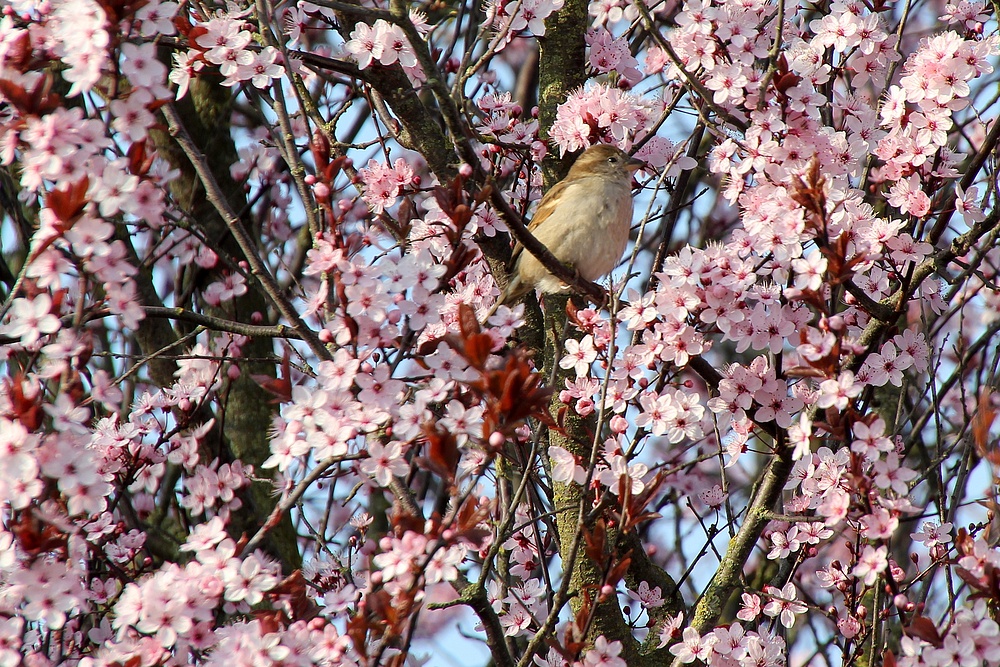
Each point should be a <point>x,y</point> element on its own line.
<point>544,210</point>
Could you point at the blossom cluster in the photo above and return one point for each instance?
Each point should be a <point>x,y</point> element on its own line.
<point>512,18</point>
<point>387,44</point>
<point>224,41</point>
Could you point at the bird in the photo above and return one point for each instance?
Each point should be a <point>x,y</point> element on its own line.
<point>584,221</point>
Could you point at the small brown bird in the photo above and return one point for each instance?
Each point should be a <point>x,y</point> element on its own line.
<point>583,220</point>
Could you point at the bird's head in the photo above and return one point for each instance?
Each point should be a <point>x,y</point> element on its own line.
<point>607,160</point>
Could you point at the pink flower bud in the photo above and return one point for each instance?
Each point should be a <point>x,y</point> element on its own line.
<point>619,424</point>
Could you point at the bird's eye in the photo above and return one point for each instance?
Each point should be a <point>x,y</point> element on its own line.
<point>612,159</point>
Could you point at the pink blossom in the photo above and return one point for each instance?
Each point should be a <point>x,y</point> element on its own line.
<point>30,319</point>
<point>565,467</point>
<point>905,249</point>
<point>650,598</point>
<point>610,54</point>
<point>838,393</point>
<point>599,114</point>
<point>156,18</point>
<point>693,646</point>
<point>604,654</point>
<point>966,205</point>
<point>783,604</point>
<point>143,68</point>
<point>385,462</point>
<point>367,43</point>
<point>871,563</point>
<point>890,474</point>
<point>933,534</point>
<point>713,497</point>
<point>579,355</point>
<point>750,609</point>
<point>262,68</point>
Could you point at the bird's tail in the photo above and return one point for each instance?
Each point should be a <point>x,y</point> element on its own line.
<point>492,311</point>
<point>513,290</point>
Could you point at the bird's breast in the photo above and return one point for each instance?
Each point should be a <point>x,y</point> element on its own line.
<point>590,227</point>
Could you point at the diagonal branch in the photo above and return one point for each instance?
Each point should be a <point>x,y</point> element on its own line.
<point>232,220</point>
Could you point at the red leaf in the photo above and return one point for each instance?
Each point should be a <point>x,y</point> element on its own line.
<point>67,202</point>
<point>36,102</point>
<point>442,452</point>
<point>280,386</point>
<point>27,410</point>
<point>924,628</point>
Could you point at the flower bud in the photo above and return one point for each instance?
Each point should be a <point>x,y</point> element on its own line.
<point>619,424</point>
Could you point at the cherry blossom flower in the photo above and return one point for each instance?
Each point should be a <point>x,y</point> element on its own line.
<point>931,534</point>
<point>143,68</point>
<point>579,355</point>
<point>693,646</point>
<point>262,68</point>
<point>30,319</point>
<point>966,205</point>
<point>889,473</point>
<point>782,604</point>
<point>604,654</point>
<point>155,18</point>
<point>385,462</point>
<point>565,467</point>
<point>750,608</point>
<point>838,393</point>
<point>871,563</point>
<point>650,598</point>
<point>713,497</point>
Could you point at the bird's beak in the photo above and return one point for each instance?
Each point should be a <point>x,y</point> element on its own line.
<point>635,164</point>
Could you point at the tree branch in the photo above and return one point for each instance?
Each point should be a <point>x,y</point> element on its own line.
<point>257,267</point>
